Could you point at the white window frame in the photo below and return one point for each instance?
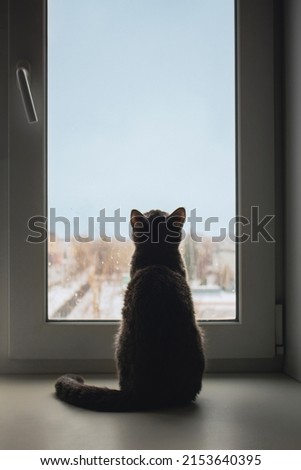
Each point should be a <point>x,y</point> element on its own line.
<point>31,337</point>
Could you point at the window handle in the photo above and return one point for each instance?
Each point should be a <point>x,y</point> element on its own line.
<point>22,73</point>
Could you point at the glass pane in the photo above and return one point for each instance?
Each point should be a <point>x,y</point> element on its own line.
<point>141,114</point>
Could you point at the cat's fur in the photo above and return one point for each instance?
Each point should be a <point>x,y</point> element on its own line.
<point>159,350</point>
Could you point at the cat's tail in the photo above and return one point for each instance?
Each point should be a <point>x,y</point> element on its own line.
<point>72,389</point>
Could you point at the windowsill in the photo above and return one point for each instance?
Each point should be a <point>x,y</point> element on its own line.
<point>108,366</point>
<point>233,411</point>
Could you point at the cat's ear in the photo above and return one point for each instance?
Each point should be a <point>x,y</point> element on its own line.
<point>178,217</point>
<point>137,219</point>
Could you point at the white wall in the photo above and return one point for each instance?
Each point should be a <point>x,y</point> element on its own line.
<point>292,142</point>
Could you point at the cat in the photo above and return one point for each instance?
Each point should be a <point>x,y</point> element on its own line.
<point>159,347</point>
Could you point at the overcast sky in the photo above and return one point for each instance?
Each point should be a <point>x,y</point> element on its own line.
<point>141,106</point>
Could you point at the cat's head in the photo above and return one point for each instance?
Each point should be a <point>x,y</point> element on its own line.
<point>157,228</point>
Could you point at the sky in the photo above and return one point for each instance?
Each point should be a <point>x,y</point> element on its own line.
<point>141,107</point>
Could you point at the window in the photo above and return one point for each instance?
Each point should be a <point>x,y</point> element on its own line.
<point>31,335</point>
<point>136,126</point>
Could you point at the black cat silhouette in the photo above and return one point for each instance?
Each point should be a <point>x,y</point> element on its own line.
<point>159,351</point>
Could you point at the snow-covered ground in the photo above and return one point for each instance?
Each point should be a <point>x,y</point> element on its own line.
<point>109,304</point>
<point>105,301</point>
<point>215,306</point>
<point>59,294</point>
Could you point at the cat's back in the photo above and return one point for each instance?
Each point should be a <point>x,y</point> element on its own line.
<point>161,280</point>
<point>158,291</point>
<point>161,333</point>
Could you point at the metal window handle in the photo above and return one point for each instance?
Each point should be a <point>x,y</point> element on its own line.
<point>22,73</point>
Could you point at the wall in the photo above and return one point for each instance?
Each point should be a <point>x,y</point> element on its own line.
<point>292,148</point>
